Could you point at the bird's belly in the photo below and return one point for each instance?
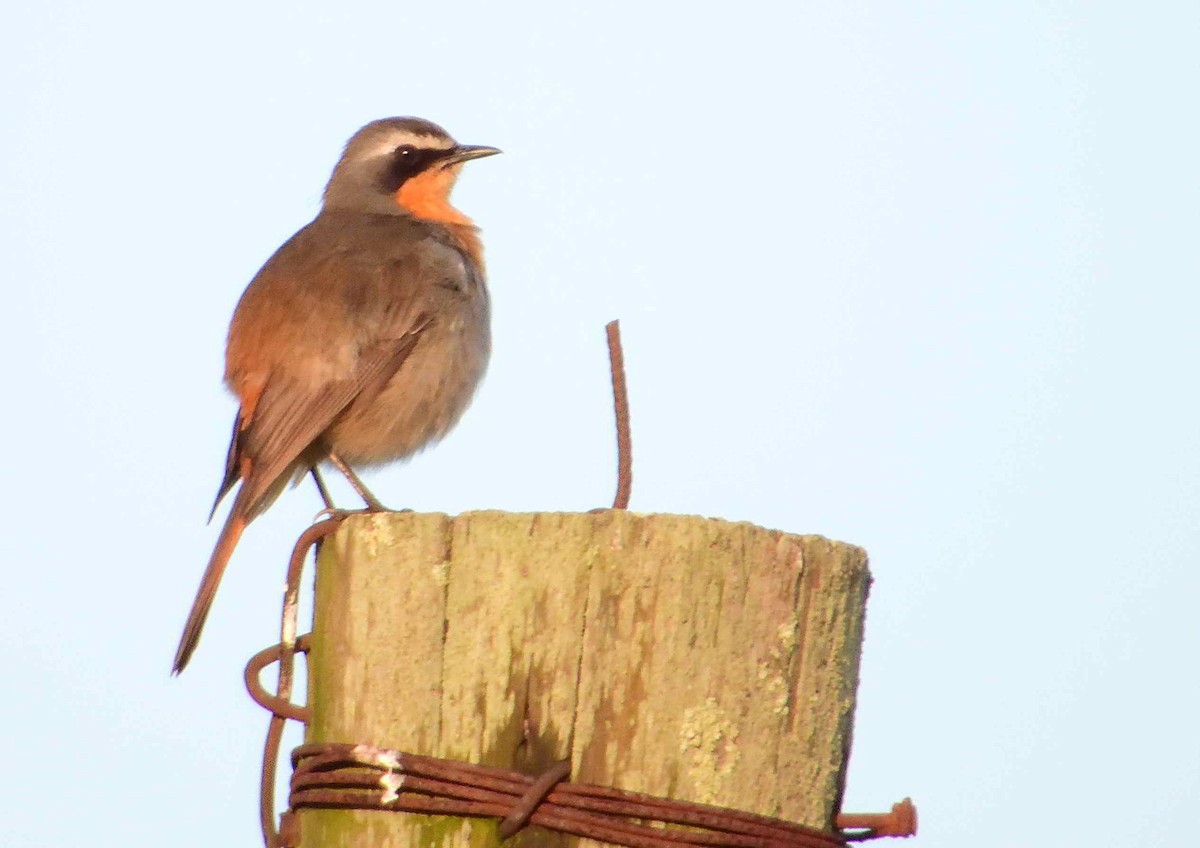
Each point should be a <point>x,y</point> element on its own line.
<point>425,399</point>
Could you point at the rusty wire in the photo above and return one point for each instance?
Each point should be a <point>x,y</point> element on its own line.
<point>364,777</point>
<point>276,705</point>
<point>616,361</point>
<point>284,653</point>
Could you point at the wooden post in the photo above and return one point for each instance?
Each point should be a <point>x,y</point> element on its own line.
<point>680,656</point>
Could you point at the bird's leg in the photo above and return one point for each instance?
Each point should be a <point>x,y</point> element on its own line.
<point>316,475</point>
<point>372,502</point>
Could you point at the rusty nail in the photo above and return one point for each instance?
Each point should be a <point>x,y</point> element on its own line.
<point>901,821</point>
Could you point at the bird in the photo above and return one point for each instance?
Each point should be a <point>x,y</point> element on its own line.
<point>361,340</point>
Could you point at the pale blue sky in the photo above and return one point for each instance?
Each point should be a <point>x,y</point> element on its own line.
<point>920,276</point>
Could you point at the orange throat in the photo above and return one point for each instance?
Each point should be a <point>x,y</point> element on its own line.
<point>427,196</point>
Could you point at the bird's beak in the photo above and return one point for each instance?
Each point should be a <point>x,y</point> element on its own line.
<point>465,152</point>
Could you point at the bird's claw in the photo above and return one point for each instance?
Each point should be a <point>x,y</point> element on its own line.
<point>334,513</point>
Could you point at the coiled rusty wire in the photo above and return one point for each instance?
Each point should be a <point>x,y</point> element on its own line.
<point>364,777</point>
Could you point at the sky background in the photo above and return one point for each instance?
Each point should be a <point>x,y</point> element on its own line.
<point>919,276</point>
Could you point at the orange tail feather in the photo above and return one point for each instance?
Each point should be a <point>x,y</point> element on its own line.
<point>230,534</point>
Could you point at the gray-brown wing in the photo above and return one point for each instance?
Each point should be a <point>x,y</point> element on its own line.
<point>290,417</point>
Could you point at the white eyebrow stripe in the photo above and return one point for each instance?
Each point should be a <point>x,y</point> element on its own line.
<point>388,143</point>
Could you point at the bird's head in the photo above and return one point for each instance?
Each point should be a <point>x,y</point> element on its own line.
<point>402,166</point>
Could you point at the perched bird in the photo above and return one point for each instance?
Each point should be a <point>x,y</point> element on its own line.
<point>362,339</point>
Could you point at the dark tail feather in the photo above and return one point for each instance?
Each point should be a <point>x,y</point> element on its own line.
<point>233,471</point>
<point>230,533</point>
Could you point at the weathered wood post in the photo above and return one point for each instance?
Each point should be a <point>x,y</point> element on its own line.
<point>687,657</point>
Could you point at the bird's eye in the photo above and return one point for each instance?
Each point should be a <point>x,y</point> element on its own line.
<point>405,150</point>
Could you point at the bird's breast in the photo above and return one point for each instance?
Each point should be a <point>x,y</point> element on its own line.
<point>424,399</point>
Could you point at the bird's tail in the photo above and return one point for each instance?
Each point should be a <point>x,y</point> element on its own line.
<point>226,542</point>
